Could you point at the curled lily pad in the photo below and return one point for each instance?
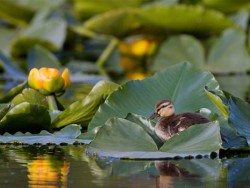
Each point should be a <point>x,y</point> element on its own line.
<point>25,117</point>
<point>12,93</point>
<point>182,83</point>
<point>124,139</point>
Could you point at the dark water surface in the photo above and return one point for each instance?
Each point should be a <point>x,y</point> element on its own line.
<point>69,166</point>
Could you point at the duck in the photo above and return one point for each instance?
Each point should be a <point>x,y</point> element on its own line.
<point>171,123</point>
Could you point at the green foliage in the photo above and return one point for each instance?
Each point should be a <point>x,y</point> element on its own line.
<point>197,20</point>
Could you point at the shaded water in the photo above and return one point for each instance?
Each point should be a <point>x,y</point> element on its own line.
<point>69,166</point>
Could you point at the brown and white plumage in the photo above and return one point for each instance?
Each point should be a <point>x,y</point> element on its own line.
<point>170,123</point>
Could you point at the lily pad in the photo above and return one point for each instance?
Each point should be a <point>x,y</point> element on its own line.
<point>83,110</point>
<point>25,117</point>
<point>121,138</point>
<point>178,49</point>
<point>181,83</point>
<point>197,20</point>
<point>49,34</point>
<point>68,135</point>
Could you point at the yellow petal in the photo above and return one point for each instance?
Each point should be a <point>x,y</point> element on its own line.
<point>34,79</point>
<point>54,84</point>
<point>66,77</point>
<point>47,73</point>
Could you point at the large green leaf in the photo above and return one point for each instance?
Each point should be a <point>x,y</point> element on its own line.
<point>227,5</point>
<point>88,8</point>
<point>25,117</point>
<point>124,139</point>
<point>197,20</point>
<point>68,135</point>
<point>198,139</point>
<point>229,53</point>
<point>177,49</point>
<point>83,110</point>
<point>15,13</point>
<point>182,83</point>
<point>122,135</point>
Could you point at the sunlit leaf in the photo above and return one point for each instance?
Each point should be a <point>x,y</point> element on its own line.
<point>227,5</point>
<point>31,96</point>
<point>197,20</point>
<point>88,8</point>
<point>83,110</point>
<point>217,101</point>
<point>182,83</point>
<point>65,135</point>
<point>25,117</point>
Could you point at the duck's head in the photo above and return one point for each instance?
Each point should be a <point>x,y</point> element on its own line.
<point>163,108</point>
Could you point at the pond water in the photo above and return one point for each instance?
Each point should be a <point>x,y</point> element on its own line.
<point>69,166</point>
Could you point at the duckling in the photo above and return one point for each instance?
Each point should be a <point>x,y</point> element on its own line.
<point>170,123</point>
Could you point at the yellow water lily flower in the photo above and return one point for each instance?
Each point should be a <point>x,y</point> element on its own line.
<point>49,80</point>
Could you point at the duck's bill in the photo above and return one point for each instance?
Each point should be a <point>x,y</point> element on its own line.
<point>154,115</point>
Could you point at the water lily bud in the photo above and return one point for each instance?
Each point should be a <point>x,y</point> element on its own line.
<point>48,80</point>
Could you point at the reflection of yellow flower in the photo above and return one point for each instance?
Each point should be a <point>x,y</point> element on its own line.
<point>48,80</point>
<point>42,172</point>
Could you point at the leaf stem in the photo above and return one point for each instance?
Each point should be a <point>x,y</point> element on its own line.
<point>107,52</point>
<point>52,102</point>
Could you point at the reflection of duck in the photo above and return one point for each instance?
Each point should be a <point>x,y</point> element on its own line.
<point>169,172</point>
<point>170,124</point>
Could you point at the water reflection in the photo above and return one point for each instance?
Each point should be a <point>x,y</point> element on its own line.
<point>69,166</point>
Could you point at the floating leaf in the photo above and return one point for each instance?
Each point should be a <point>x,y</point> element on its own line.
<point>12,93</point>
<point>83,110</point>
<point>182,83</point>
<point>66,135</point>
<point>25,117</point>
<point>198,139</point>
<point>121,138</point>
<point>228,52</point>
<point>178,49</point>
<point>49,34</point>
<point>197,20</point>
